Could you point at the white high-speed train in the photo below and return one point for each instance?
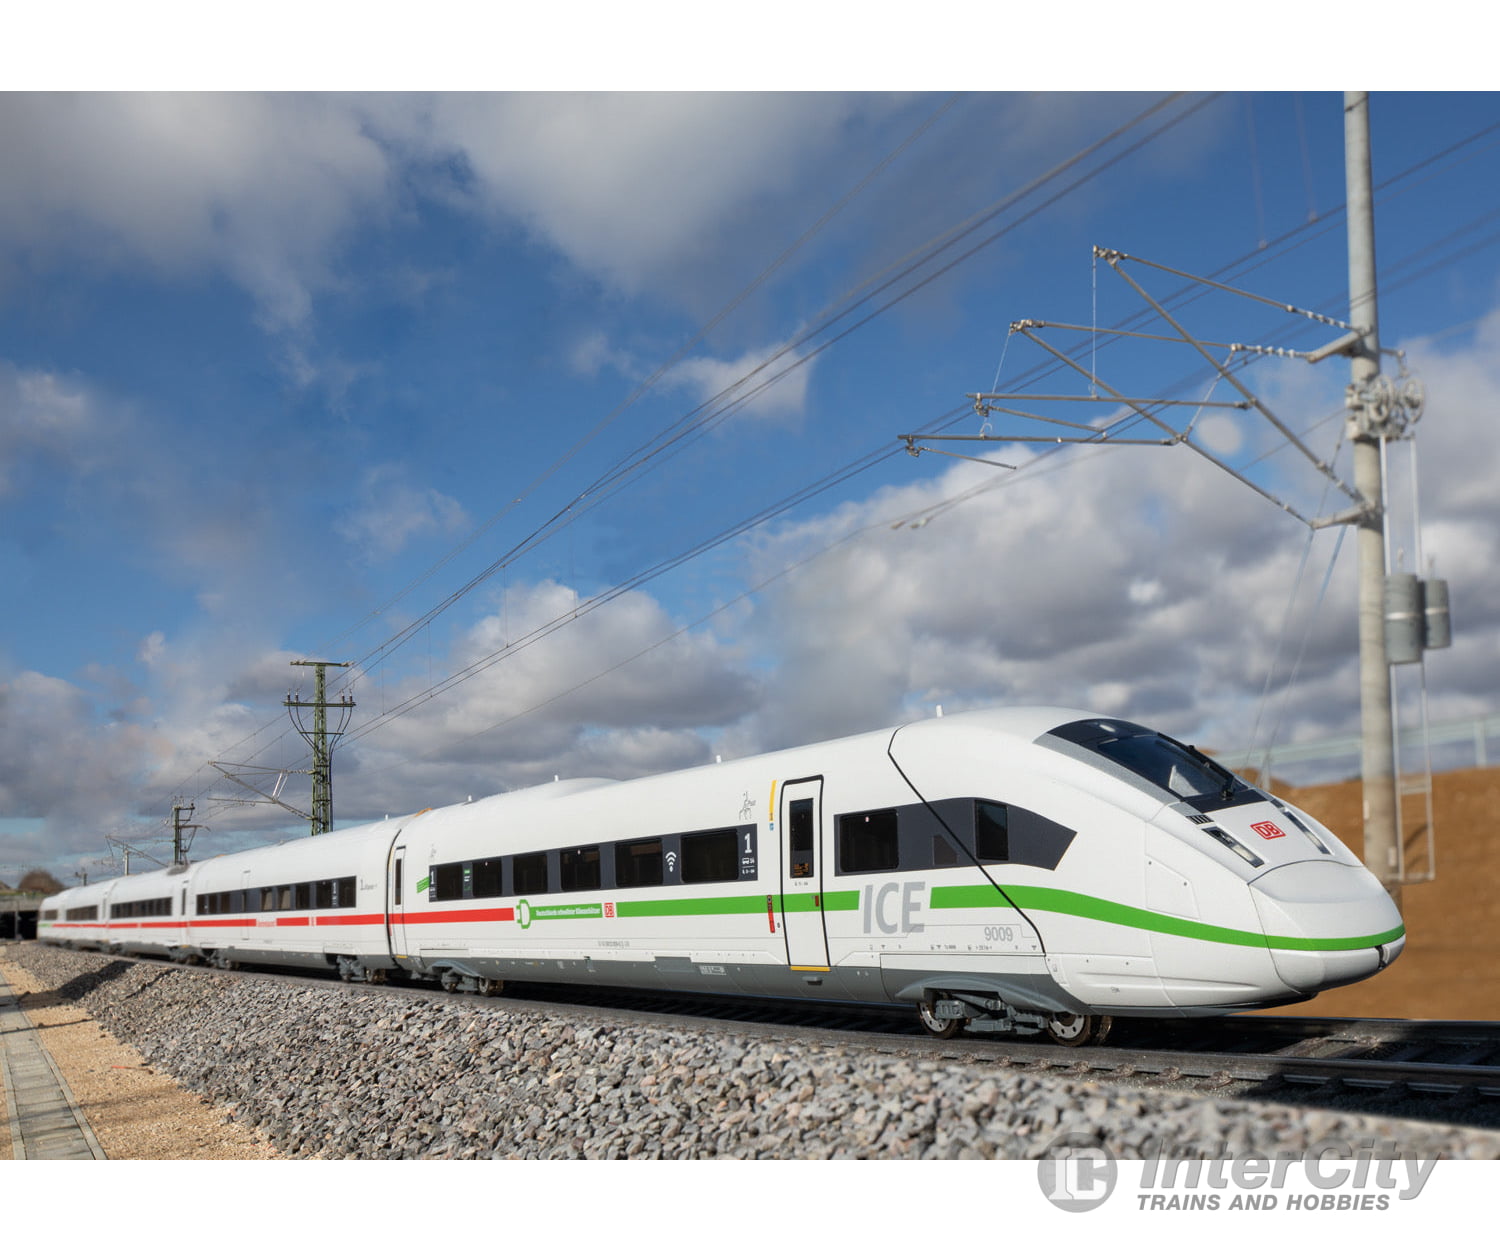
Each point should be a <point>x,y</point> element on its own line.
<point>1028,870</point>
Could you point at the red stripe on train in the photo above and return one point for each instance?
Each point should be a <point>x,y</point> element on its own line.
<point>455,917</point>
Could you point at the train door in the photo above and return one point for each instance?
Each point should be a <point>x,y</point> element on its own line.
<point>802,873</point>
<point>395,914</point>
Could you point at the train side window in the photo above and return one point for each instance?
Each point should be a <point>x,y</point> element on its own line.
<point>991,832</point>
<point>303,892</point>
<point>240,901</point>
<point>530,872</point>
<point>487,878</point>
<point>267,898</point>
<point>867,842</point>
<point>638,863</point>
<point>323,894</point>
<point>1034,839</point>
<point>579,868</point>
<point>344,892</point>
<point>284,898</point>
<point>203,901</point>
<point>713,856</point>
<point>447,882</point>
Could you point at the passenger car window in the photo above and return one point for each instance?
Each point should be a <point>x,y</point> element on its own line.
<point>579,868</point>
<point>530,873</point>
<point>868,841</point>
<point>711,856</point>
<point>638,863</point>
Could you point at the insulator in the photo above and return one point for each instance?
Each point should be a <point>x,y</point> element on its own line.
<point>1403,618</point>
<point>1438,630</point>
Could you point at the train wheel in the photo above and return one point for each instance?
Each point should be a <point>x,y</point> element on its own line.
<point>490,988</point>
<point>934,1025</point>
<point>1069,1030</point>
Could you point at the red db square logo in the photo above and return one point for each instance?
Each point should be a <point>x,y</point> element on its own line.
<point>1267,829</point>
<point>609,911</point>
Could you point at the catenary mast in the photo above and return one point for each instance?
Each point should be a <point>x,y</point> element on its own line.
<point>1369,422</point>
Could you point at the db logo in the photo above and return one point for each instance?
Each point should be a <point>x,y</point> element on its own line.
<point>1267,829</point>
<point>609,911</point>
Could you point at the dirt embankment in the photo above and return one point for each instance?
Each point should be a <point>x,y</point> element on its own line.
<point>1451,966</point>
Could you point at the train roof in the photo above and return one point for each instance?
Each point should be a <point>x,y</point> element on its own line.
<point>1026,724</point>
<point>1021,724</point>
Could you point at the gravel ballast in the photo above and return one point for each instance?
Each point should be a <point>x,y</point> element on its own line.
<point>329,1074</point>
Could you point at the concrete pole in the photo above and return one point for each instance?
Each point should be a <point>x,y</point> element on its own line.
<point>1378,752</point>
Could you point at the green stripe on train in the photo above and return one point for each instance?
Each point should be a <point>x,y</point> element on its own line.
<point>738,904</point>
<point>1086,906</point>
<point>732,905</point>
<point>1027,897</point>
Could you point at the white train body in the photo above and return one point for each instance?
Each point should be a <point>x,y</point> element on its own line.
<point>1007,869</point>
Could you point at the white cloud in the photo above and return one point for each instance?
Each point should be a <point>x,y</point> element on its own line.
<point>628,186</point>
<point>391,513</point>
<point>1140,582</point>
<point>260,186</point>
<point>61,763</point>
<point>754,384</point>
<point>47,417</point>
<point>153,647</point>
<point>573,703</point>
<point>267,187</point>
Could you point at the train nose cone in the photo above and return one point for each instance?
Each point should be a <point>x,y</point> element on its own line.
<point>1326,923</point>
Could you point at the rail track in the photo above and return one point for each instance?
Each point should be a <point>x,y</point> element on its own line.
<point>1433,1070</point>
<point>1441,1071</point>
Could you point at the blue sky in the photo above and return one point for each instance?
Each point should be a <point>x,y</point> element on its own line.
<point>282,374</point>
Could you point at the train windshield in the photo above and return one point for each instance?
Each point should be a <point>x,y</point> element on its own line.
<point>1180,770</point>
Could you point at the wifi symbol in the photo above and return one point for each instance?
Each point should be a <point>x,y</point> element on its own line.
<point>671,861</point>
